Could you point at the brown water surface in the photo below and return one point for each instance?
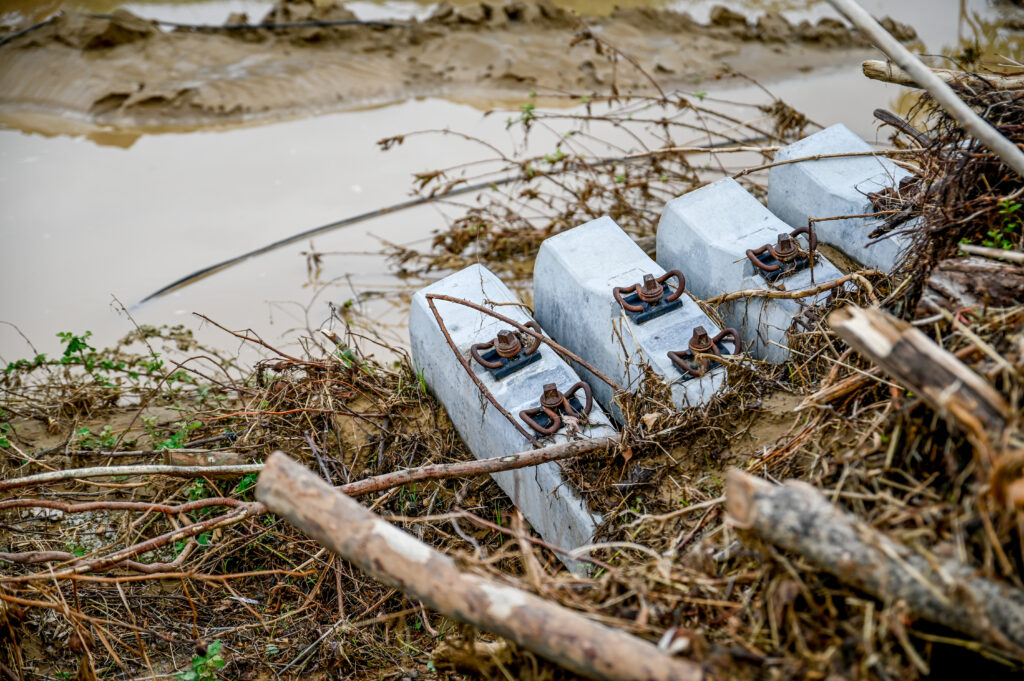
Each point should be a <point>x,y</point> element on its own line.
<point>83,219</point>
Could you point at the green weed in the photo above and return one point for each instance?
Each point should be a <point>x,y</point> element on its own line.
<point>204,667</point>
<point>5,429</point>
<point>105,439</point>
<point>180,437</point>
<point>246,483</point>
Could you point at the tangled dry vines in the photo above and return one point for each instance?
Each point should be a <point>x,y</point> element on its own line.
<point>133,574</point>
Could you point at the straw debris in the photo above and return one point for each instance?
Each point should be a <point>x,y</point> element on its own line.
<point>135,575</point>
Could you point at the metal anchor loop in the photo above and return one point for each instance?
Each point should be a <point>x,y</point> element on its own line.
<point>552,397</point>
<point>785,250</point>
<point>553,404</point>
<point>535,345</point>
<point>703,343</point>
<point>507,345</point>
<point>586,393</point>
<point>650,291</point>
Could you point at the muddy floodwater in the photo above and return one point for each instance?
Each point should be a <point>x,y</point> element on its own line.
<point>93,214</point>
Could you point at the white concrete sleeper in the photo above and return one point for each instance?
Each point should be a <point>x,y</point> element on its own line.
<point>708,232</point>
<point>547,501</point>
<point>832,187</point>
<point>589,294</point>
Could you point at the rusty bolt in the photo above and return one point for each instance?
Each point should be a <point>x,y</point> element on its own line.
<point>551,397</point>
<point>701,341</point>
<point>786,248</point>
<point>650,291</point>
<point>507,344</point>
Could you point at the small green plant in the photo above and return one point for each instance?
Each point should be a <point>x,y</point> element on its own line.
<point>205,666</point>
<point>105,439</point>
<point>5,430</point>
<point>1005,236</point>
<point>527,114</point>
<point>74,344</point>
<point>347,357</point>
<point>180,437</point>
<point>246,483</point>
<point>555,157</point>
<point>38,361</point>
<point>197,490</point>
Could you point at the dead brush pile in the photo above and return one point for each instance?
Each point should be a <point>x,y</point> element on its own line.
<point>894,555</point>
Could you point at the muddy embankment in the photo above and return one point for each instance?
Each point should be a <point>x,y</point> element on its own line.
<point>128,72</point>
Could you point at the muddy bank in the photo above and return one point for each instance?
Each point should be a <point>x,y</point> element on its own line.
<point>127,72</point>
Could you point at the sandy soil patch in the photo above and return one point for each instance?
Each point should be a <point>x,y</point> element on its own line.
<point>125,71</point>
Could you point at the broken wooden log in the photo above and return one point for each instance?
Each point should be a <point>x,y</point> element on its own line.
<point>913,359</point>
<point>399,560</point>
<point>797,517</point>
<point>887,72</point>
<point>963,283</point>
<point>851,384</point>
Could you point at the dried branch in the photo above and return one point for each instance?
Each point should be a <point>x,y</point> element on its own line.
<point>423,573</point>
<point>796,517</point>
<point>556,452</point>
<point>981,129</point>
<point>909,356</point>
<point>802,293</point>
<point>887,72</point>
<point>145,469</point>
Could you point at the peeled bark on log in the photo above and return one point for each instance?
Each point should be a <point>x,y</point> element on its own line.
<point>960,283</point>
<point>796,517</point>
<point>397,559</point>
<point>913,359</point>
<point>887,72</point>
<point>184,457</point>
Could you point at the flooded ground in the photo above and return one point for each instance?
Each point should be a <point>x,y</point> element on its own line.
<point>120,213</point>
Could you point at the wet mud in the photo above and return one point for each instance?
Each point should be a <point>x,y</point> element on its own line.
<point>124,71</point>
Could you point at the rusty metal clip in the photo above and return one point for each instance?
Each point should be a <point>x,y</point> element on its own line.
<point>553,404</point>
<point>507,346</point>
<point>786,251</point>
<point>650,291</point>
<point>702,343</point>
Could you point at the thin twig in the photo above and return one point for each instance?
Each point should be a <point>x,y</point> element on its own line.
<point>148,469</point>
<point>802,293</point>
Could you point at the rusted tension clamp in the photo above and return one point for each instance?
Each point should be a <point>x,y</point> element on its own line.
<point>650,291</point>
<point>703,344</point>
<point>507,346</point>
<point>785,253</point>
<point>547,418</point>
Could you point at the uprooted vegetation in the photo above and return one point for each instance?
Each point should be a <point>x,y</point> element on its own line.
<point>148,574</point>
